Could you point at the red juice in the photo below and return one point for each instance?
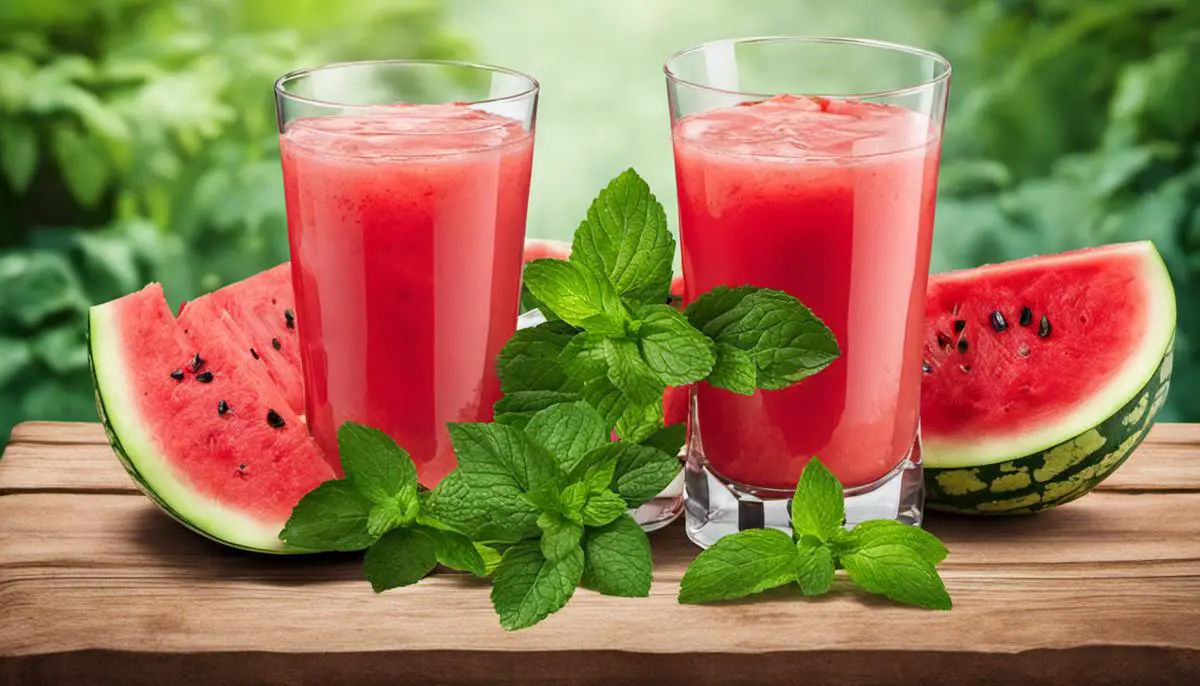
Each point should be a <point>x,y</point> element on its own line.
<point>831,201</point>
<point>406,225</point>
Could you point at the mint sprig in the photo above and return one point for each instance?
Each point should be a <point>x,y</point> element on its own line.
<point>882,556</point>
<point>378,508</point>
<point>613,342</point>
<point>556,494</point>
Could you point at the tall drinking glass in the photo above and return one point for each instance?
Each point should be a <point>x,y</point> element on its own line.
<point>406,185</point>
<point>809,165</point>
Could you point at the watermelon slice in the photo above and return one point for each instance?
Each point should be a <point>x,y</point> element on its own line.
<point>210,438</point>
<point>264,310</point>
<point>1042,375</point>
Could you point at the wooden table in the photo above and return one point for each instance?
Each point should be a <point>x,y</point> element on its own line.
<point>98,586</point>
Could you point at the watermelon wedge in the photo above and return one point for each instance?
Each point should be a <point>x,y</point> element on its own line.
<point>1042,375</point>
<point>203,430</point>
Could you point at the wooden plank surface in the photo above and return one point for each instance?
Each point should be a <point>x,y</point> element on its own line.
<point>98,586</point>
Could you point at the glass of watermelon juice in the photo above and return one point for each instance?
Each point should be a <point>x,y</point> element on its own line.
<point>809,165</point>
<point>406,185</point>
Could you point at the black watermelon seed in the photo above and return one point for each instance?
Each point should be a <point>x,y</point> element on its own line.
<point>1026,316</point>
<point>204,377</point>
<point>926,367</point>
<point>196,363</point>
<point>177,375</point>
<point>1023,351</point>
<point>959,325</point>
<point>276,344</point>
<point>254,353</point>
<point>999,323</point>
<point>222,408</point>
<point>274,419</point>
<point>290,318</point>
<point>962,346</point>
<point>943,340</point>
<point>1044,327</point>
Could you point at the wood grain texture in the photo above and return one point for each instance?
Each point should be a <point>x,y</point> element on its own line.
<point>98,586</point>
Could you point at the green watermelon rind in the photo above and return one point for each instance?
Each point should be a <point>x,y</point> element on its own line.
<point>135,449</point>
<point>1055,476</point>
<point>1126,384</point>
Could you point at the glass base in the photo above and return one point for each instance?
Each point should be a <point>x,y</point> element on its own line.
<point>716,506</point>
<point>663,509</point>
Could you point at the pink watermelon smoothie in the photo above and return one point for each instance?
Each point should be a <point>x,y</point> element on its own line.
<point>831,201</point>
<point>406,225</point>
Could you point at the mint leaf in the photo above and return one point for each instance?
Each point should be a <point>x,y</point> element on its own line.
<point>402,557</point>
<point>897,572</point>
<point>669,439</point>
<point>602,508</point>
<point>738,565</point>
<point>625,238</point>
<point>572,500</point>
<point>560,536</point>
<point>491,558</point>
<point>630,373</point>
<point>577,295</point>
<point>814,566</point>
<point>456,551</point>
<point>393,512</point>
<point>785,340</point>
<point>880,532</point>
<point>734,370</point>
<point>676,351</point>
<point>583,358</point>
<point>332,516</point>
<point>496,450</point>
<point>567,431</point>
<point>376,466</point>
<point>527,588</point>
<point>642,471</point>
<point>453,505</point>
<point>528,362</point>
<point>634,422</point>
<point>617,559</point>
<point>518,407</point>
<point>818,506</point>
<point>597,468</point>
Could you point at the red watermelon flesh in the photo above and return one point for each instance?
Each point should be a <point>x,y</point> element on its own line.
<point>263,308</point>
<point>1033,347</point>
<point>225,455</point>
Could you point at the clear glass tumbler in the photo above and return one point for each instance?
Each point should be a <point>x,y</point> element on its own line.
<point>406,185</point>
<point>809,165</point>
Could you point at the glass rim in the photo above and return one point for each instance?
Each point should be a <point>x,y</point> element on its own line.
<point>532,87</point>
<point>937,79</point>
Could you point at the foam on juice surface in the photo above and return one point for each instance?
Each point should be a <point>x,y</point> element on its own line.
<point>404,130</point>
<point>793,127</point>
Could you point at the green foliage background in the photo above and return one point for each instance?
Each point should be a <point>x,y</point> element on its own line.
<point>137,137</point>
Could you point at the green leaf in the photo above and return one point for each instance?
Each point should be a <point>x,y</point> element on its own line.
<point>38,285</point>
<point>617,559</point>
<point>63,349</point>
<point>625,238</point>
<point>527,588</point>
<point>376,466</point>
<point>83,162</point>
<point>814,567</point>
<point>502,451</point>
<point>491,558</point>
<point>528,362</point>
<point>630,373</point>
<point>517,408</point>
<point>597,469</point>
<point>738,565</point>
<point>15,357</point>
<point>560,536</point>
<point>583,359</point>
<point>394,512</point>
<point>580,297</point>
<point>572,500</point>
<point>401,558</point>
<point>567,431</point>
<point>818,506</point>
<point>880,532</point>
<point>19,152</point>
<point>786,341</point>
<point>602,508</point>
<point>734,370</point>
<point>456,551</point>
<point>897,572</point>
<point>642,472</point>
<point>677,352</point>
<point>634,422</point>
<point>333,516</point>
<point>669,439</point>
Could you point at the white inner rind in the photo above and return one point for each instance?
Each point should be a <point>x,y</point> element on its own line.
<point>1137,371</point>
<point>120,402</point>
